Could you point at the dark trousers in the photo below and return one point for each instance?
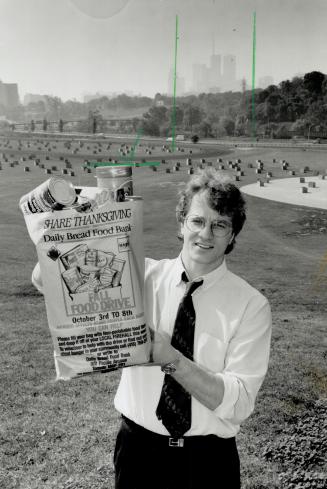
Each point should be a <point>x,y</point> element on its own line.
<point>144,460</point>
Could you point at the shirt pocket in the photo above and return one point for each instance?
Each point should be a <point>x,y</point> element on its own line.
<point>211,352</point>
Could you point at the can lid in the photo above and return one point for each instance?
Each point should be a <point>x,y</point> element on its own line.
<point>62,191</point>
<point>113,171</point>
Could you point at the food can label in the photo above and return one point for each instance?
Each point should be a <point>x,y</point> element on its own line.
<point>41,199</point>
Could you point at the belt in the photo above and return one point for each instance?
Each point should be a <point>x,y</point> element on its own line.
<point>152,436</point>
<point>168,441</point>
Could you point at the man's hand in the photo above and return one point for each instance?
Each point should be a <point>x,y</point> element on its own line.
<point>162,351</point>
<point>205,386</point>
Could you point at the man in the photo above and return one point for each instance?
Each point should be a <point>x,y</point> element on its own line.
<point>180,415</point>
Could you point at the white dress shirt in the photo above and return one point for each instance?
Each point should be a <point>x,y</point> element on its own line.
<point>232,339</point>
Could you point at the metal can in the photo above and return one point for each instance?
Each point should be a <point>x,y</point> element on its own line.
<point>116,178</point>
<point>106,276</point>
<point>72,279</point>
<point>46,196</point>
<point>74,257</point>
<point>118,266</point>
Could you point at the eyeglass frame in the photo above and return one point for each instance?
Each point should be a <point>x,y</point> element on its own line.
<point>204,221</point>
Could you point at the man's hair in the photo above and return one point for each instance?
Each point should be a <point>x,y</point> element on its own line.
<point>221,195</point>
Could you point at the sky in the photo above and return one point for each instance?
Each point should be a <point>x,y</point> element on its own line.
<point>69,48</point>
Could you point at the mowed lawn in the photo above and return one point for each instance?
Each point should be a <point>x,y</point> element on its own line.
<point>61,435</point>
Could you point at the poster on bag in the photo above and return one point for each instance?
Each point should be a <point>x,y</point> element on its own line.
<point>92,268</point>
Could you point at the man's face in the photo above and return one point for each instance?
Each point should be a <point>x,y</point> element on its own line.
<point>202,251</point>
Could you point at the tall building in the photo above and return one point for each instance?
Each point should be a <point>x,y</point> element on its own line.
<point>33,98</point>
<point>229,72</point>
<point>9,94</point>
<point>201,77</point>
<point>215,78</point>
<point>219,76</point>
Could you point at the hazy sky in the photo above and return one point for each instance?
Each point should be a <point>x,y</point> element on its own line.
<point>53,47</point>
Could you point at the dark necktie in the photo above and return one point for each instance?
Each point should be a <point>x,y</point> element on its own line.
<point>174,407</point>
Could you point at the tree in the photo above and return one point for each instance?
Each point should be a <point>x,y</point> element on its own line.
<point>53,106</point>
<point>154,119</point>
<point>157,114</point>
<point>195,138</point>
<point>218,130</point>
<point>157,97</point>
<point>73,110</point>
<point>150,127</point>
<point>205,129</point>
<point>240,124</point>
<point>282,131</point>
<point>228,124</point>
<point>36,107</point>
<point>317,114</point>
<point>165,130</point>
<point>299,127</point>
<point>32,125</point>
<point>192,115</point>
<point>313,81</point>
<point>286,89</point>
<point>95,122</point>
<point>45,124</point>
<point>136,123</point>
<point>178,116</point>
<point>4,125</point>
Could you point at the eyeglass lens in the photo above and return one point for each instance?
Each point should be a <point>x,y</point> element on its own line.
<point>218,227</point>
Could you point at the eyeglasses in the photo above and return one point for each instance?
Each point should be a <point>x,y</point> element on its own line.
<point>219,228</point>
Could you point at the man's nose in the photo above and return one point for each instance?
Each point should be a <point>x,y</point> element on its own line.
<point>206,231</point>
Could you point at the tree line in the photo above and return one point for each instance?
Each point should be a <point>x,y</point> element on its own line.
<point>297,106</point>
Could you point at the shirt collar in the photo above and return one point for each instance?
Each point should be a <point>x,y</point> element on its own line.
<point>208,278</point>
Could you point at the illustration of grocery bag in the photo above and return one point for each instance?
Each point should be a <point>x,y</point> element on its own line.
<point>92,267</point>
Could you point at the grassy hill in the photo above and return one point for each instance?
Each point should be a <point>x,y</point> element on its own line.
<point>61,435</point>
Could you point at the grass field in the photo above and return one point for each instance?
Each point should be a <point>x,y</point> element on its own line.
<point>61,435</point>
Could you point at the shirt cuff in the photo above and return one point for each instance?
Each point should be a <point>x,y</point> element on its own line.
<point>226,408</point>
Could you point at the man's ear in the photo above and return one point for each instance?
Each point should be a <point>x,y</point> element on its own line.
<point>180,234</point>
<point>181,228</point>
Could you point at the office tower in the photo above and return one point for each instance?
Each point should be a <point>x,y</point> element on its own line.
<point>33,98</point>
<point>9,94</point>
<point>215,71</point>
<point>219,76</point>
<point>229,72</point>
<point>201,77</point>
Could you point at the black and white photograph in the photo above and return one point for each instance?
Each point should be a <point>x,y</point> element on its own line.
<point>163,282</point>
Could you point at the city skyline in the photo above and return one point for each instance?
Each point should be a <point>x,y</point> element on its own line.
<point>213,78</point>
<point>59,50</point>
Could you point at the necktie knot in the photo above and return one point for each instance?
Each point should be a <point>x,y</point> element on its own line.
<point>191,286</point>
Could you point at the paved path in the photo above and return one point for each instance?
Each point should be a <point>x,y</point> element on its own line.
<point>289,191</point>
